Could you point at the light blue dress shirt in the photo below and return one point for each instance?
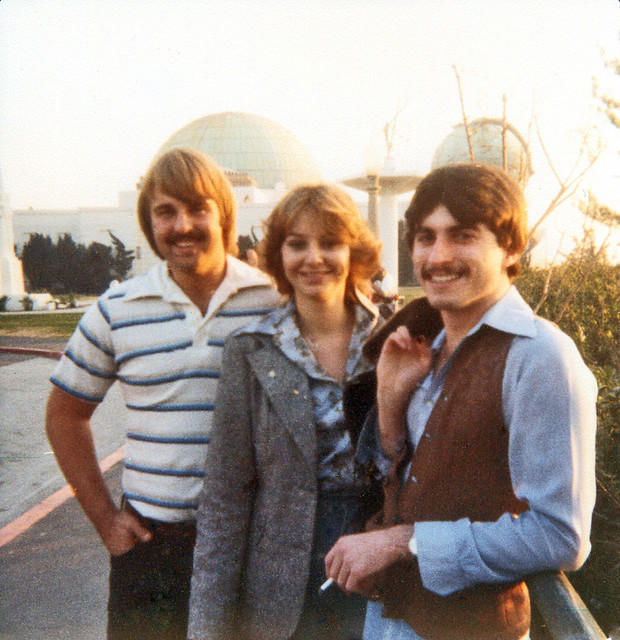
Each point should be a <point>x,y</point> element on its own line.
<point>549,406</point>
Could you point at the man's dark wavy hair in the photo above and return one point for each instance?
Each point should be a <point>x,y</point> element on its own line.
<point>474,194</point>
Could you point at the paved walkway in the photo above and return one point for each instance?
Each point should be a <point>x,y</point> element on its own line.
<point>53,577</point>
<point>53,573</point>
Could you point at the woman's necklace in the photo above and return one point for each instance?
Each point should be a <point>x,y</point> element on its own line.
<point>330,349</point>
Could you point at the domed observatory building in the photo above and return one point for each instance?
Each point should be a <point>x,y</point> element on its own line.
<point>248,144</point>
<point>497,143</point>
<point>261,158</point>
<point>492,142</point>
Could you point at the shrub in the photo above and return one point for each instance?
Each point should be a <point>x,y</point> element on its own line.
<point>583,297</point>
<point>27,303</point>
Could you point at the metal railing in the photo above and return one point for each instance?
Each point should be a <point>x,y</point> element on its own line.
<point>563,612</point>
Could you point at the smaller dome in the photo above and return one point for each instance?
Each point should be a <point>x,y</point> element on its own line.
<point>486,137</point>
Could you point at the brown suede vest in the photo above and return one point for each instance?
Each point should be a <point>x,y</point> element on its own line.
<point>459,470</point>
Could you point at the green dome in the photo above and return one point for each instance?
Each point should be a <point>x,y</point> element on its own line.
<point>249,144</point>
<point>487,142</point>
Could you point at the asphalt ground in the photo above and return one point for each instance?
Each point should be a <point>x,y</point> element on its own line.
<point>53,568</point>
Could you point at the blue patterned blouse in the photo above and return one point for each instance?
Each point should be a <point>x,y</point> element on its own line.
<point>335,449</point>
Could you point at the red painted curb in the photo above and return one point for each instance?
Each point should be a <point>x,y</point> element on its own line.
<point>44,353</point>
<point>25,521</point>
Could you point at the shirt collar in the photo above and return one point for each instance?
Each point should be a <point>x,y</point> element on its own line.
<point>239,275</point>
<point>282,326</point>
<point>510,314</point>
<point>272,322</point>
<point>157,283</point>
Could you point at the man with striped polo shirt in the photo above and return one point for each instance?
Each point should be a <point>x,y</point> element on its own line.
<point>160,335</point>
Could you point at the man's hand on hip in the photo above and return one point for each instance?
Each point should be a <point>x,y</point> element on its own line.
<point>123,532</point>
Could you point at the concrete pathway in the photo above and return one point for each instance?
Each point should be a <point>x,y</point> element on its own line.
<point>28,470</point>
<point>53,575</point>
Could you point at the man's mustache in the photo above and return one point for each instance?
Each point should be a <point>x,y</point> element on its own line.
<point>428,273</point>
<point>195,236</point>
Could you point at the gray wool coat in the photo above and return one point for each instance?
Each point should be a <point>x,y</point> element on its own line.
<point>257,509</point>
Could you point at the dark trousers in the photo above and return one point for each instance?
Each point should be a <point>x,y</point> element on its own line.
<point>330,615</point>
<point>149,585</point>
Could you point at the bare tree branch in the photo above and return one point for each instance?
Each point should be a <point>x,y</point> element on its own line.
<point>550,272</point>
<point>544,148</point>
<point>569,185</point>
<point>524,167</point>
<point>472,155</point>
<point>389,129</point>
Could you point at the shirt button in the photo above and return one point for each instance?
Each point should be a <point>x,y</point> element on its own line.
<point>413,479</point>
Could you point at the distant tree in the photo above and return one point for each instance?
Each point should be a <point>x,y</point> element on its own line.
<point>68,267</point>
<point>97,268</point>
<point>69,260</point>
<point>39,262</point>
<point>406,278</point>
<point>244,243</point>
<point>122,259</point>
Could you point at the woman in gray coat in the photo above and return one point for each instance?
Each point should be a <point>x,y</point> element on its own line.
<point>280,484</point>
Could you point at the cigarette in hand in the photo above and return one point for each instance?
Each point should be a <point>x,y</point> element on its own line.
<point>326,585</point>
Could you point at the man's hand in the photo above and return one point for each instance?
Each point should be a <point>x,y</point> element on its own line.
<point>403,364</point>
<point>70,434</point>
<point>123,532</point>
<point>355,560</point>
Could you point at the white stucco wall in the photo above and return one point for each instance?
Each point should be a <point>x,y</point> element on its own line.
<point>91,224</point>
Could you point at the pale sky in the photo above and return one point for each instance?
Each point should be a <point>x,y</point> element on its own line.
<point>89,90</point>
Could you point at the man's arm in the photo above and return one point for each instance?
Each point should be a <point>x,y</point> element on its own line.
<point>69,432</point>
<point>550,411</point>
<point>354,560</point>
<point>549,404</point>
<point>404,362</point>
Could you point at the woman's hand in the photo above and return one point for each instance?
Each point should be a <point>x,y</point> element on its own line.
<point>403,364</point>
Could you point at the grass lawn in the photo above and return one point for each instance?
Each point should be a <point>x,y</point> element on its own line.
<point>409,293</point>
<point>61,325</point>
<point>49,324</point>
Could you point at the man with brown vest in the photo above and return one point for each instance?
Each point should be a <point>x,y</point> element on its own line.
<point>486,425</point>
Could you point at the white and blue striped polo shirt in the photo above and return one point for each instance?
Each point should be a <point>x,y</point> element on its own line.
<point>149,336</point>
